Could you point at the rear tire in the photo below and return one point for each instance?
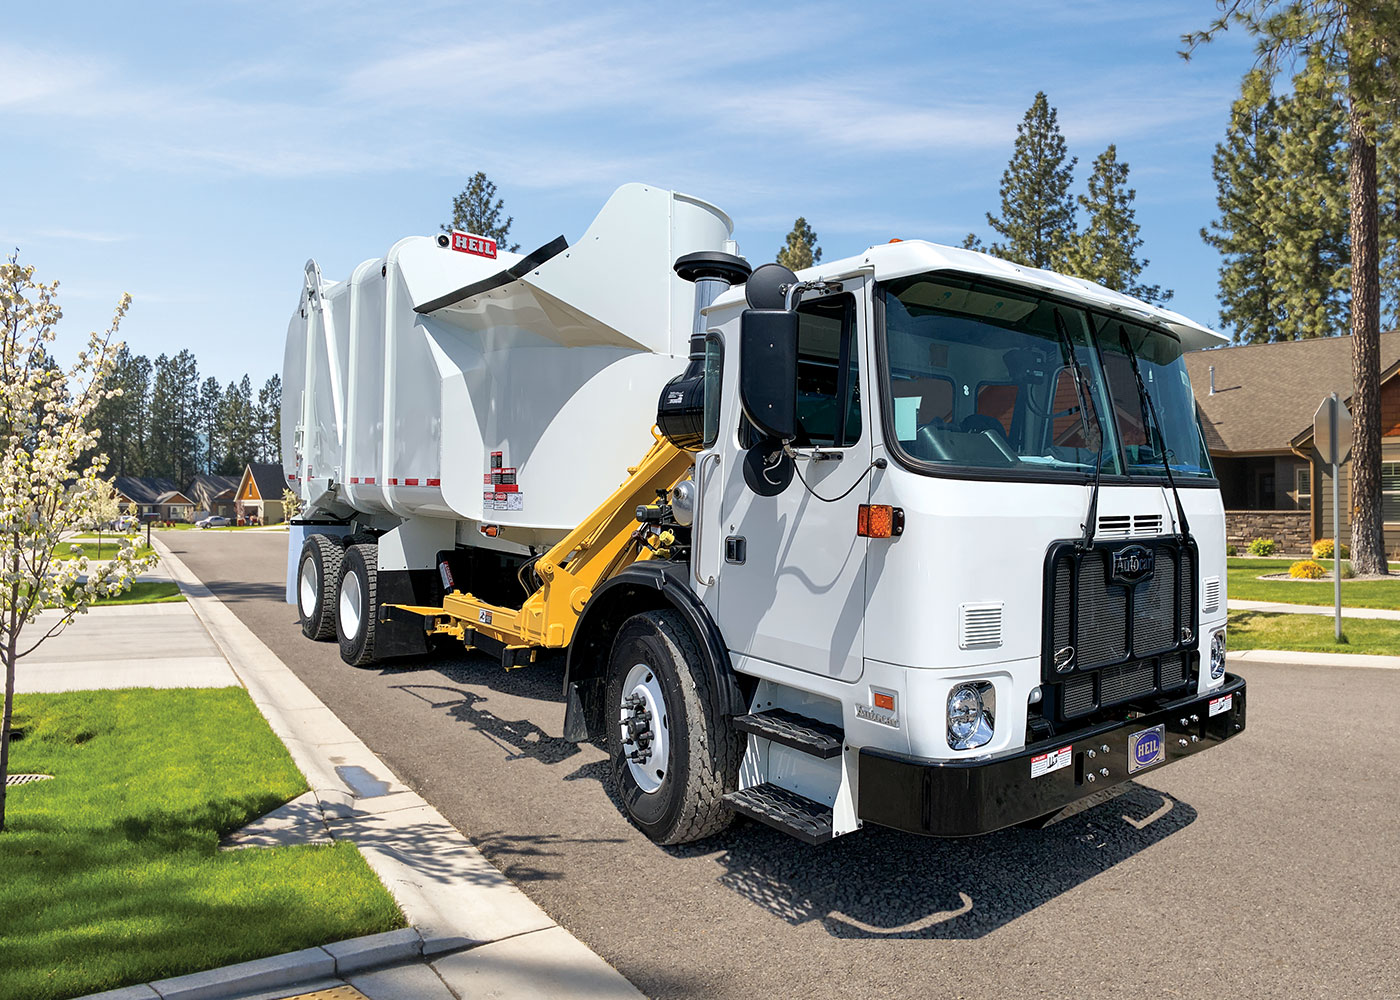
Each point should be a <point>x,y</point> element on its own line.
<point>318,579</point>
<point>357,605</point>
<point>657,682</point>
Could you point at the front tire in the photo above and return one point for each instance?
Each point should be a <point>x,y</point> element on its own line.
<point>318,578</point>
<point>673,752</point>
<point>357,604</point>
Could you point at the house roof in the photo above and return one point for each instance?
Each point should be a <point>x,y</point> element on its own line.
<point>268,478</point>
<point>1266,394</point>
<point>173,496</point>
<point>204,488</point>
<point>144,489</point>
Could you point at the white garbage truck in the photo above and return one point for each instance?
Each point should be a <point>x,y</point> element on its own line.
<point>918,537</point>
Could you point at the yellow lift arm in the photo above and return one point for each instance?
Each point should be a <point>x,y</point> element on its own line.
<point>606,541</point>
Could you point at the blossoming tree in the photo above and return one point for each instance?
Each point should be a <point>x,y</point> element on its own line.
<point>50,479</point>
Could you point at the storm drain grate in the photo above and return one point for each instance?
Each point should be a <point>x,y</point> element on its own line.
<point>334,993</point>
<point>24,779</point>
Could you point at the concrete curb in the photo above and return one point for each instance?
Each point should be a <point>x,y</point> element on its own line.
<point>1368,660</point>
<point>450,894</point>
<point>340,959</point>
<point>1281,608</point>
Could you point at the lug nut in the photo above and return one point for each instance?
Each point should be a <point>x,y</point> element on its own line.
<point>1104,748</point>
<point>1104,771</point>
<point>1183,742</point>
<point>1089,752</point>
<point>1195,739</point>
<point>1185,723</point>
<point>1089,776</point>
<point>1195,718</point>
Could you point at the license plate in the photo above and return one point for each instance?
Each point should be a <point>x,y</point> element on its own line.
<point>1146,747</point>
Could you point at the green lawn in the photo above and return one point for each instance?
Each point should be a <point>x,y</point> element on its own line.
<point>1244,586</point>
<point>161,592</point>
<point>109,548</point>
<point>1311,633</point>
<point>110,874</point>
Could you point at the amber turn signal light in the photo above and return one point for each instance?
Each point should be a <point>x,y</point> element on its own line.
<point>878,520</point>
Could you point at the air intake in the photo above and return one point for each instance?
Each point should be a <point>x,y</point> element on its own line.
<point>979,626</point>
<point>1129,526</point>
<point>1210,599</point>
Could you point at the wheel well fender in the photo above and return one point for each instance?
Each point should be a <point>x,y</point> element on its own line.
<point>638,588</point>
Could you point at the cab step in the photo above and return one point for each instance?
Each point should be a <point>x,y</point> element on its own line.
<point>783,810</point>
<point>820,739</point>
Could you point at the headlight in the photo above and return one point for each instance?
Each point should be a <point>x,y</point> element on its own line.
<point>971,715</point>
<point>1217,655</point>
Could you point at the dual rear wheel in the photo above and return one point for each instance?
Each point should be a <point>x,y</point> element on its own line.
<point>337,595</point>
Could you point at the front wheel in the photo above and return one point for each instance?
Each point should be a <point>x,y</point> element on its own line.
<point>673,752</point>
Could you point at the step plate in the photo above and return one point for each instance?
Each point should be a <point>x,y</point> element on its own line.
<point>783,810</point>
<point>792,730</point>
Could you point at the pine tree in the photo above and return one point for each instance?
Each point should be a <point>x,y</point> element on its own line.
<point>1106,251</point>
<point>1350,47</point>
<point>477,210</point>
<point>1037,212</point>
<point>800,248</point>
<point>210,396</point>
<point>269,420</point>
<point>237,429</point>
<point>1244,234</point>
<point>163,420</point>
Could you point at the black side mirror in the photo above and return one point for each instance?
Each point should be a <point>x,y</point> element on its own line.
<point>768,371</point>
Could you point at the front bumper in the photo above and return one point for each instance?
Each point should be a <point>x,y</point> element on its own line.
<point>965,797</point>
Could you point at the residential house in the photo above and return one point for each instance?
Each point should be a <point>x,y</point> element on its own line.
<point>143,495</point>
<point>213,495</point>
<point>260,493</point>
<point>1257,404</point>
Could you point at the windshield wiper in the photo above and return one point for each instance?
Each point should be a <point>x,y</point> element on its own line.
<point>1150,411</point>
<point>1081,390</point>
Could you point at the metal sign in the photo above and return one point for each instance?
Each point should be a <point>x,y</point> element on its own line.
<point>1333,439</point>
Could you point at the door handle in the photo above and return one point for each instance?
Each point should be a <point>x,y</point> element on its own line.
<point>699,514</point>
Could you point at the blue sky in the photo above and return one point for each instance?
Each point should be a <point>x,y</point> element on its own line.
<point>197,154</point>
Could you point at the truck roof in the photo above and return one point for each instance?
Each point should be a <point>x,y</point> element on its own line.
<point>898,259</point>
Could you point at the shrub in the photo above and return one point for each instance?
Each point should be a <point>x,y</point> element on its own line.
<point>1306,569</point>
<point>1232,550</point>
<point>1263,547</point>
<point>1322,549</point>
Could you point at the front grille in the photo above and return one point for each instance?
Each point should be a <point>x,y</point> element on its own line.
<point>1127,641</point>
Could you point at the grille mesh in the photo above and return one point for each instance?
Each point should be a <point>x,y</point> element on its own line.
<point>1130,680</point>
<point>1062,604</point>
<point>1173,671</point>
<point>1154,609</point>
<point>1102,615</point>
<point>1077,696</point>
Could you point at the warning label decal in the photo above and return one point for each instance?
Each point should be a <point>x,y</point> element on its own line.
<point>501,490</point>
<point>1047,762</point>
<point>1222,704</point>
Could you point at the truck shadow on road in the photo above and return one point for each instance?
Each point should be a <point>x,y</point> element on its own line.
<point>880,883</point>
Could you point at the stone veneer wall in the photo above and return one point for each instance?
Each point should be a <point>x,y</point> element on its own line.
<point>1292,529</point>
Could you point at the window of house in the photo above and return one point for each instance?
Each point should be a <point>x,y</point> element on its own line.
<point>1390,492</point>
<point>1302,485</point>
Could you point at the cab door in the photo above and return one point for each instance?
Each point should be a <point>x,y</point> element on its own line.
<point>791,568</point>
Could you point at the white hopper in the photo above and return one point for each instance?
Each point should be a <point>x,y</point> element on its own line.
<point>427,361</point>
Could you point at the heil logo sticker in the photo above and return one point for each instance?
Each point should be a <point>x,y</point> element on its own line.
<point>1146,748</point>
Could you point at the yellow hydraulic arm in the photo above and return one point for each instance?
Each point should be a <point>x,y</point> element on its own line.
<point>609,539</point>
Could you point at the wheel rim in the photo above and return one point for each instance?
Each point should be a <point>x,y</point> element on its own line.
<point>310,586</point>
<point>350,596</point>
<point>645,728</point>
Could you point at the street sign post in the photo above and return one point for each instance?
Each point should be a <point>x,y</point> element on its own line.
<point>1332,435</point>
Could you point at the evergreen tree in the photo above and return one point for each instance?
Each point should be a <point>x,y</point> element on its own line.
<point>174,424</point>
<point>237,431</point>
<point>163,420</point>
<point>1037,211</point>
<point>1106,251</point>
<point>477,210</point>
<point>800,249</point>
<point>136,381</point>
<point>210,396</point>
<point>269,418</point>
<point>1349,46</point>
<point>1244,234</point>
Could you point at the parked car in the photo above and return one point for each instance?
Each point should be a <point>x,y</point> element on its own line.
<point>214,521</point>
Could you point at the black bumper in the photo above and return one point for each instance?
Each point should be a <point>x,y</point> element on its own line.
<point>962,798</point>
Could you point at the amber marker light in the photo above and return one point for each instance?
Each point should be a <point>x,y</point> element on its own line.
<point>878,520</point>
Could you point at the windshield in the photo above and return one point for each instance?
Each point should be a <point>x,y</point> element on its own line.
<point>984,378</point>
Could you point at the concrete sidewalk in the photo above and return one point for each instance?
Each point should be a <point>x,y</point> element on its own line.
<point>1275,607</point>
<point>473,933</point>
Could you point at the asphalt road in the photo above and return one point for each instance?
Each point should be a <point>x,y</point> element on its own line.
<point>1268,867</point>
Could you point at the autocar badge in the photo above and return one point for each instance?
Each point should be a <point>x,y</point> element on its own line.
<point>1132,565</point>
